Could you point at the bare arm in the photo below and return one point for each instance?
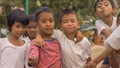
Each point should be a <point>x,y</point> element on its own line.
<point>103,55</point>
<point>39,40</point>
<point>88,60</point>
<point>79,36</point>
<point>106,33</point>
<point>113,59</point>
<point>106,53</point>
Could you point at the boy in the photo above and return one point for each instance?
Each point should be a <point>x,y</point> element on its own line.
<point>106,24</point>
<point>32,29</point>
<point>49,56</point>
<point>112,44</point>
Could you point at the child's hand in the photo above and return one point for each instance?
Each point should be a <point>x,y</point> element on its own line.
<point>39,41</point>
<point>33,61</point>
<point>118,51</point>
<point>90,65</point>
<point>79,36</point>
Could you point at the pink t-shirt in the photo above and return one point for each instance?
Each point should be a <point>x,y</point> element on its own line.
<point>49,55</point>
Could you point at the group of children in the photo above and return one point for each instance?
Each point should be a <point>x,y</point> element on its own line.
<point>42,46</point>
<point>60,50</point>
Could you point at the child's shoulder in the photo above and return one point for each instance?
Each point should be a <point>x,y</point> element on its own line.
<point>52,40</point>
<point>2,40</point>
<point>98,21</point>
<point>55,40</point>
<point>84,40</point>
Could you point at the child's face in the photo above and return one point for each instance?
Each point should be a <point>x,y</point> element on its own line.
<point>32,29</point>
<point>118,21</point>
<point>118,2</point>
<point>69,23</point>
<point>104,8</point>
<point>46,23</point>
<point>18,29</point>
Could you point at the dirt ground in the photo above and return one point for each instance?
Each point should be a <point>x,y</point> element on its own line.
<point>96,50</point>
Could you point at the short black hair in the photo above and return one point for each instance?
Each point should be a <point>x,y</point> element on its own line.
<point>16,15</point>
<point>67,11</point>
<point>111,2</point>
<point>42,9</point>
<point>31,18</point>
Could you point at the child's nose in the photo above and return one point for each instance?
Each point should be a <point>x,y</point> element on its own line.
<point>69,23</point>
<point>48,23</point>
<point>103,6</point>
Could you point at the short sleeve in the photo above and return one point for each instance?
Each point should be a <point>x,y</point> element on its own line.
<point>2,41</point>
<point>114,39</point>
<point>34,50</point>
<point>58,34</point>
<point>99,27</point>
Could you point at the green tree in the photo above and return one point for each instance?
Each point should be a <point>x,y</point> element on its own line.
<point>84,8</point>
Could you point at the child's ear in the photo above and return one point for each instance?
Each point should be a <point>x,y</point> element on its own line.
<point>60,26</point>
<point>78,24</point>
<point>114,11</point>
<point>96,14</point>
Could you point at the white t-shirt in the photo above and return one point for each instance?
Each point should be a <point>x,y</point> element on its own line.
<point>73,55</point>
<point>12,56</point>
<point>114,39</point>
<point>100,25</point>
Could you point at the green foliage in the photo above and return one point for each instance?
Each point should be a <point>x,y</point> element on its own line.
<point>84,8</point>
<point>2,21</point>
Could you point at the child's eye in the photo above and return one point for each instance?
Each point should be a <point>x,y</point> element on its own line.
<point>43,21</point>
<point>23,26</point>
<point>106,4</point>
<point>29,27</point>
<point>65,21</point>
<point>18,26</point>
<point>99,5</point>
<point>73,21</point>
<point>51,20</point>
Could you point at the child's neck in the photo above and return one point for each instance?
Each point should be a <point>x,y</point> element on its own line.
<point>71,36</point>
<point>13,37</point>
<point>46,37</point>
<point>108,20</point>
<point>15,40</point>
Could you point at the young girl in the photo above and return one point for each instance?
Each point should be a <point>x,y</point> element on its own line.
<point>49,56</point>
<point>13,50</point>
